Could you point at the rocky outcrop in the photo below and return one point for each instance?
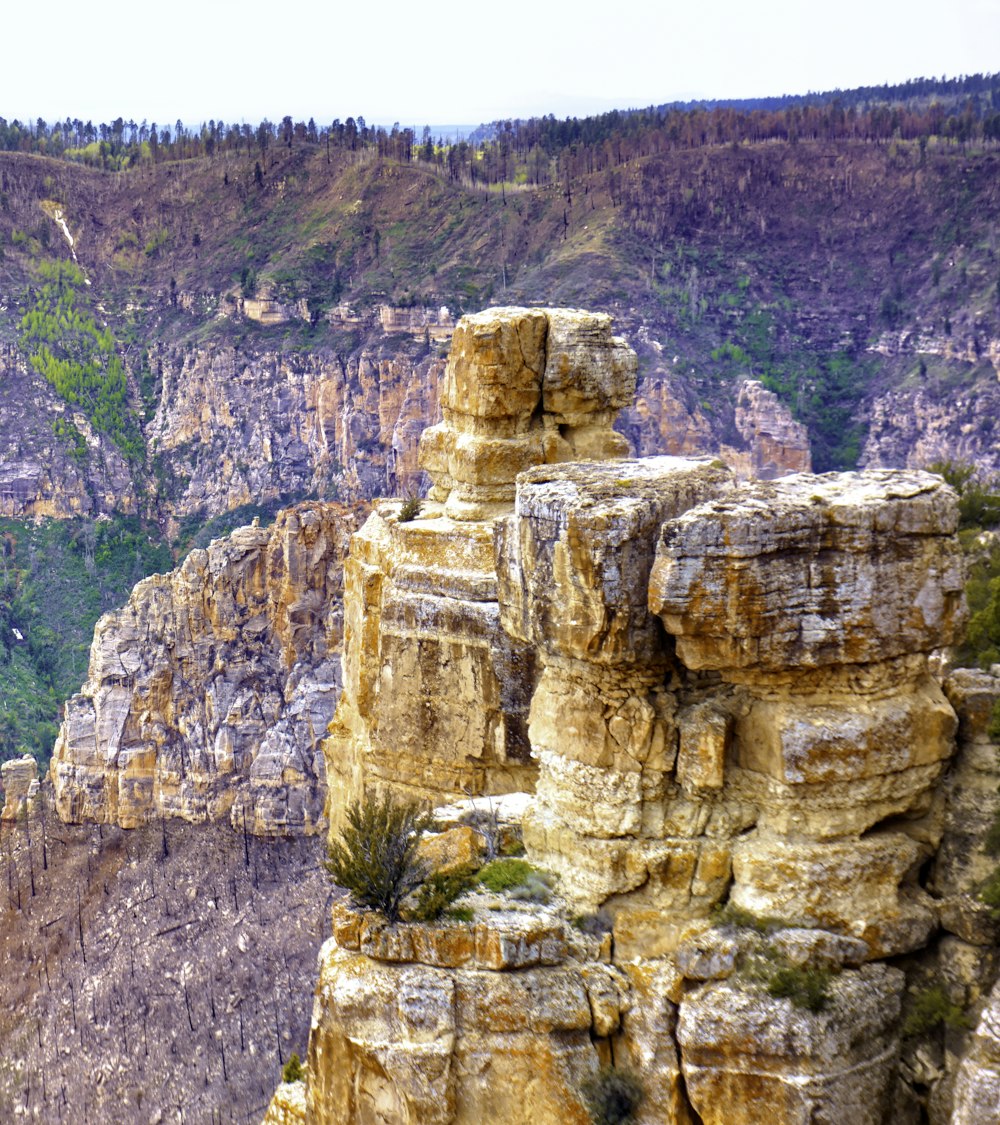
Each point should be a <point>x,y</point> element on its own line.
<point>209,692</point>
<point>977,1087</point>
<point>922,423</point>
<point>436,694</point>
<point>20,784</point>
<point>739,749</point>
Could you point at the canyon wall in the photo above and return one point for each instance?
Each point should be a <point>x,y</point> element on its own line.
<point>209,692</point>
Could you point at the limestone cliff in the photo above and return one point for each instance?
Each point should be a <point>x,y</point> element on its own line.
<point>919,424</point>
<point>739,747</point>
<point>209,691</point>
<point>235,427</point>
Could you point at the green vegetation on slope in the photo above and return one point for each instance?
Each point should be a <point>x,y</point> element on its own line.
<point>66,345</point>
<point>57,578</point>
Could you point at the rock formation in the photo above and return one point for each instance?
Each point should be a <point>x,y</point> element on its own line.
<point>209,692</point>
<point>739,749</point>
<point>20,784</point>
<point>436,693</point>
<point>237,428</point>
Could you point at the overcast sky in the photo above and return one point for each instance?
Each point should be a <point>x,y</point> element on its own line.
<point>459,61</point>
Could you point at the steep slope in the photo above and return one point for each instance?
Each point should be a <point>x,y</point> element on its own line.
<point>161,973</point>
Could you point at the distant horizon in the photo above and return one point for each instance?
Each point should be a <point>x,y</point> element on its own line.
<point>450,63</point>
<point>455,131</point>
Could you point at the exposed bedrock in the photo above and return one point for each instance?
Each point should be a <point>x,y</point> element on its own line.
<point>209,692</point>
<point>720,696</point>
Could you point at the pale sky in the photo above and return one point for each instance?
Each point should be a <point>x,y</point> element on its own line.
<point>459,61</point>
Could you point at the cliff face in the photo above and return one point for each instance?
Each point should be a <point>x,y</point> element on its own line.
<point>209,691</point>
<point>732,711</point>
<point>237,428</point>
<point>40,474</point>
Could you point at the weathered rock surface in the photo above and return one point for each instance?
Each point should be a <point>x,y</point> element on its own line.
<point>524,387</point>
<point>209,692</point>
<point>977,1085</point>
<point>748,1057</point>
<point>238,428</point>
<point>404,1041</point>
<point>20,784</point>
<point>813,571</point>
<point>918,425</point>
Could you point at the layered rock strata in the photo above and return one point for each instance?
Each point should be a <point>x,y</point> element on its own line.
<point>574,562</point>
<point>732,707</point>
<point>436,694</point>
<point>819,600</point>
<point>209,692</point>
<point>20,784</point>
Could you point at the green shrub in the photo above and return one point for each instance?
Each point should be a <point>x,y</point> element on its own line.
<point>292,1070</point>
<point>732,915</point>
<point>376,855</point>
<point>612,1096</point>
<point>805,987</point>
<point>931,1007</point>
<point>503,874</point>
<point>438,891</point>
<point>410,509</point>
<point>460,914</point>
<point>537,887</point>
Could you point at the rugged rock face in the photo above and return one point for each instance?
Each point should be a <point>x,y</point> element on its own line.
<point>236,428</point>
<point>977,1088</point>
<point>42,474</point>
<point>919,425</point>
<point>733,707</point>
<point>20,784</point>
<point>756,437</point>
<point>435,693</point>
<point>209,692</point>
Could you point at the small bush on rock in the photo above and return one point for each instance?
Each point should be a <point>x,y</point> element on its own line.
<point>438,891</point>
<point>292,1070</point>
<point>376,855</point>
<point>518,878</point>
<point>806,988</point>
<point>612,1096</point>
<point>930,1007</point>
<point>410,509</point>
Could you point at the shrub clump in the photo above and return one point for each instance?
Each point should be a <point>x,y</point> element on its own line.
<point>438,891</point>
<point>612,1096</point>
<point>518,879</point>
<point>930,1007</point>
<point>807,988</point>
<point>292,1070</point>
<point>410,509</point>
<point>376,855</point>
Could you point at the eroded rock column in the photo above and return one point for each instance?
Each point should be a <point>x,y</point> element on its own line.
<point>574,563</point>
<point>436,694</point>
<point>820,599</point>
